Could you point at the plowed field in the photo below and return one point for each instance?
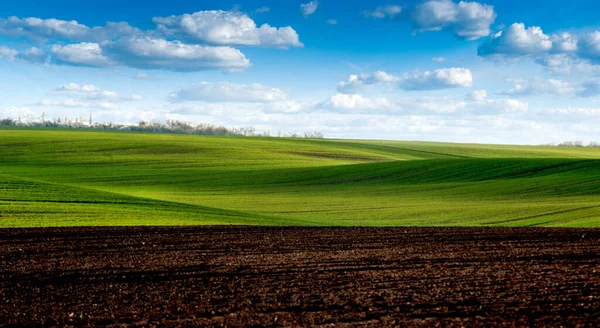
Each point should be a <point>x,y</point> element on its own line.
<point>264,276</point>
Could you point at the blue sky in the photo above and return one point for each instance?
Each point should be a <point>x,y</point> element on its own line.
<point>470,71</point>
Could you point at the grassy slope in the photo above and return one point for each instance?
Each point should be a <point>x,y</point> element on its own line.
<point>52,178</point>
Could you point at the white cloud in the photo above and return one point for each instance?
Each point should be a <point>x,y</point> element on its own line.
<point>289,107</point>
<point>389,11</point>
<point>516,41</point>
<point>80,54</point>
<point>7,53</point>
<point>261,10</point>
<point>562,53</point>
<point>566,64</point>
<point>467,20</point>
<point>16,112</point>
<point>111,96</point>
<point>51,29</point>
<point>99,101</point>
<point>226,28</point>
<point>351,102</point>
<point>34,55</point>
<point>36,28</point>
<point>89,92</point>
<point>149,53</point>
<point>331,21</point>
<point>439,79</point>
<point>180,43</point>
<point>498,106</point>
<point>68,102</point>
<point>537,86</point>
<point>139,52</point>
<point>590,45</point>
<point>564,42</point>
<point>590,89</point>
<point>227,92</point>
<point>575,114</point>
<point>445,78</point>
<point>141,76</point>
<point>438,59</point>
<point>309,8</point>
<point>477,95</point>
<point>78,87</point>
<point>356,82</point>
<point>476,103</point>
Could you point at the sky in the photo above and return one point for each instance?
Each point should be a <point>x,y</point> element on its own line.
<point>518,72</point>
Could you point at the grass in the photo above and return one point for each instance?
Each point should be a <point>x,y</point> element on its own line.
<point>76,178</point>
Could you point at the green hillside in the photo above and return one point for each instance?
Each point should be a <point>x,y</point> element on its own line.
<point>66,178</point>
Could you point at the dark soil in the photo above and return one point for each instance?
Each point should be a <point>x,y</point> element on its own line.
<point>258,276</point>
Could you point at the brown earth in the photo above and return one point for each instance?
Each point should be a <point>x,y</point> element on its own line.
<point>258,276</point>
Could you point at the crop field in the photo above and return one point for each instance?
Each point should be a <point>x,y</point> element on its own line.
<point>51,178</point>
<point>300,276</point>
<point>127,229</point>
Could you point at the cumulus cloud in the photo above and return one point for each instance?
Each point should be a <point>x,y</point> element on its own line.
<point>347,101</point>
<point>141,76</point>
<point>590,89</point>
<point>17,112</point>
<point>39,29</point>
<point>111,96</point>
<point>7,53</point>
<point>69,102</point>
<point>561,53</point>
<point>309,8</point>
<point>356,82</point>
<point>566,64</point>
<point>34,55</point>
<point>539,86</point>
<point>590,46</point>
<point>571,114</point>
<point>516,41</point>
<point>389,11</point>
<point>36,28</point>
<point>80,103</point>
<point>261,10</point>
<point>227,92</point>
<point>149,53</point>
<point>141,53</point>
<point>497,106</point>
<point>189,42</point>
<point>88,95</point>
<point>438,59</point>
<point>219,27</point>
<point>564,42</point>
<point>467,20</point>
<point>80,54</point>
<point>476,103</point>
<point>439,79</point>
<point>78,87</point>
<point>477,95</point>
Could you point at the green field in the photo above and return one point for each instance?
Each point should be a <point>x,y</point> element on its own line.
<point>84,178</point>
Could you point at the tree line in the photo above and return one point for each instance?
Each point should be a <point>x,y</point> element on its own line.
<point>577,143</point>
<point>170,126</point>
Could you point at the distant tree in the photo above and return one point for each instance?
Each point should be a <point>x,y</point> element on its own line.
<point>170,126</point>
<point>571,144</point>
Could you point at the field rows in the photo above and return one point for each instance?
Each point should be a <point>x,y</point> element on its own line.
<point>66,178</point>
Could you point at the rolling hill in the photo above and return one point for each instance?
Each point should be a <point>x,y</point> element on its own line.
<point>85,178</point>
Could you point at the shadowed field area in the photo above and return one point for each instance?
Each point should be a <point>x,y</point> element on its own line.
<point>84,178</point>
<point>286,276</point>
